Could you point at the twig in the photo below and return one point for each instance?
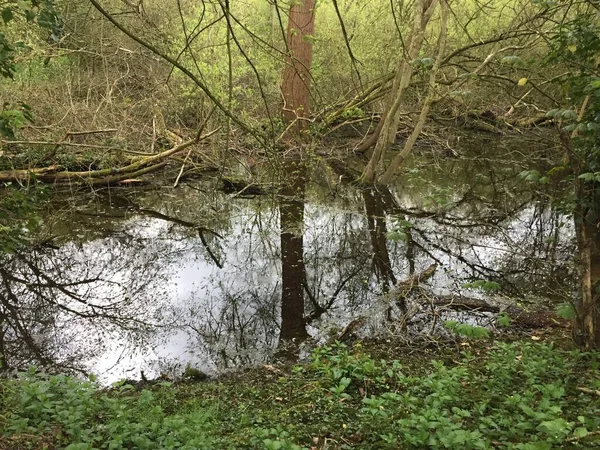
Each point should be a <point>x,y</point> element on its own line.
<point>578,438</point>
<point>81,133</point>
<point>589,391</point>
<point>182,167</point>
<point>59,143</point>
<point>197,81</point>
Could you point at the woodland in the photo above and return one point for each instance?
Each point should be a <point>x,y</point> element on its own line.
<point>416,180</point>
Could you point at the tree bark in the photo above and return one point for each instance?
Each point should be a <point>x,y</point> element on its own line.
<point>587,227</point>
<point>296,75</point>
<point>386,133</point>
<point>408,146</point>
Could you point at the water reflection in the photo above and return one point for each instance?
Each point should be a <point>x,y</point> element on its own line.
<point>218,281</point>
<point>293,272</point>
<point>60,306</point>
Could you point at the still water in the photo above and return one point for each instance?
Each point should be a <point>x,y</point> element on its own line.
<point>151,281</point>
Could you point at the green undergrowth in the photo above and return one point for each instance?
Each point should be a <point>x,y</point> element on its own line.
<point>522,395</point>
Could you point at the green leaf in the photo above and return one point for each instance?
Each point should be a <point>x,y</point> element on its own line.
<point>588,176</point>
<point>566,311</point>
<point>556,427</point>
<point>397,235</point>
<point>7,15</point>
<point>504,320</point>
<point>569,114</point>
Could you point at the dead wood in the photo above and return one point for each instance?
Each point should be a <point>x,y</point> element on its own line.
<point>241,187</point>
<point>402,289</point>
<point>145,165</point>
<point>519,317</point>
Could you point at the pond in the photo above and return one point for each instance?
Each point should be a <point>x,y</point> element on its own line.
<point>150,281</point>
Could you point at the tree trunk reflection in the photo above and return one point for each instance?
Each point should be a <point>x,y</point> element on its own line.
<point>293,271</point>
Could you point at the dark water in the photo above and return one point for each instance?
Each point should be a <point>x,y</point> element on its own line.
<point>155,280</point>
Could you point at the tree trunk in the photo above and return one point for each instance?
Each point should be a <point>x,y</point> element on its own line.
<point>408,146</point>
<point>296,75</point>
<point>376,219</point>
<point>3,362</point>
<point>587,226</point>
<point>293,272</point>
<point>586,331</point>
<point>391,119</point>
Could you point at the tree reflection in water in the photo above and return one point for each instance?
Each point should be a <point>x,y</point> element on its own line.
<point>293,272</point>
<point>59,306</point>
<point>223,281</point>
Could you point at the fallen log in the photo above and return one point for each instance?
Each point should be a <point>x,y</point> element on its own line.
<point>125,176</point>
<point>519,317</point>
<point>402,289</point>
<point>25,174</point>
<point>142,166</point>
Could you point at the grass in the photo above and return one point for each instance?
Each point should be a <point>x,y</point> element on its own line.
<point>521,395</point>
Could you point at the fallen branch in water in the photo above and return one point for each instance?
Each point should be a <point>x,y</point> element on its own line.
<point>403,288</point>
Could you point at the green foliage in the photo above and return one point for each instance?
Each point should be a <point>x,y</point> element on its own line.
<point>484,285</point>
<point>503,320</point>
<point>46,17</point>
<point>18,215</point>
<point>577,42</point>
<point>466,330</point>
<point>12,119</point>
<point>514,396</point>
<point>567,311</point>
<point>533,176</point>
<point>589,176</point>
<point>41,12</point>
<point>400,230</point>
<point>88,418</point>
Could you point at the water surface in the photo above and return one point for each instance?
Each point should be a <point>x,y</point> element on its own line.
<point>151,281</point>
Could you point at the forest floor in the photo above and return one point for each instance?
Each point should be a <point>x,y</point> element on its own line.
<point>528,392</point>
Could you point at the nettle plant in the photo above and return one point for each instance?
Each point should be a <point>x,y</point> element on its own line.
<point>519,396</point>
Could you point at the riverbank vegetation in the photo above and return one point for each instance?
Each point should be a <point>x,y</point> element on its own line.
<point>345,397</point>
